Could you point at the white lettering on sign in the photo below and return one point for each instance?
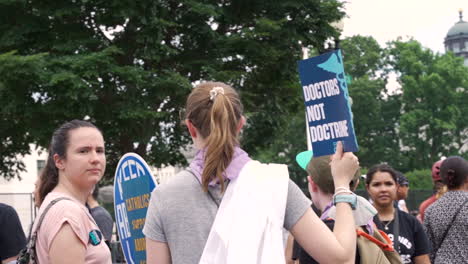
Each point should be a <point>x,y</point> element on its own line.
<point>134,168</point>
<point>323,89</point>
<point>124,165</point>
<point>135,171</point>
<point>122,221</point>
<point>119,183</point>
<point>315,112</point>
<point>131,164</point>
<point>329,131</point>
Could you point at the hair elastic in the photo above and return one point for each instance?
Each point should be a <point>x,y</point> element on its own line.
<point>215,91</point>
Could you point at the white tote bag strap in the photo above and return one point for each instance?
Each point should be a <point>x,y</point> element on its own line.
<point>249,222</point>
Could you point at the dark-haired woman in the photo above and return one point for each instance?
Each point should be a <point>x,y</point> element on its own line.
<point>412,243</point>
<point>228,208</point>
<point>446,220</point>
<point>75,163</point>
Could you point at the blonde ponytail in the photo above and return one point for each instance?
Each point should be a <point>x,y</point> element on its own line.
<point>216,117</point>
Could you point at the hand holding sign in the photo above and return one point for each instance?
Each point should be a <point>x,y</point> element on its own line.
<point>343,167</point>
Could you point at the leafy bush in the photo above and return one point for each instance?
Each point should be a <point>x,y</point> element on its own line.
<point>420,179</point>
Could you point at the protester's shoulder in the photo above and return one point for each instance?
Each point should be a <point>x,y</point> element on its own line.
<point>99,211</point>
<point>295,192</point>
<point>181,181</point>
<point>408,218</point>
<point>4,206</point>
<point>183,178</point>
<point>458,197</point>
<point>66,210</point>
<point>431,208</point>
<point>66,207</point>
<point>7,209</point>
<point>8,214</point>
<point>427,202</point>
<point>452,201</point>
<point>69,205</point>
<point>438,205</point>
<point>464,201</point>
<point>292,185</point>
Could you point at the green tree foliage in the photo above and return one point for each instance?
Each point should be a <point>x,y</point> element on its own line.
<point>16,100</point>
<point>434,112</point>
<point>128,66</point>
<point>420,179</point>
<point>363,57</point>
<point>375,109</point>
<point>411,127</point>
<point>290,140</point>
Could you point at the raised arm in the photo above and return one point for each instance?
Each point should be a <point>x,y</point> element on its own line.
<point>314,236</point>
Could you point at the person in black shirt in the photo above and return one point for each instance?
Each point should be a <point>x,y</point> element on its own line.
<point>413,245</point>
<point>12,238</point>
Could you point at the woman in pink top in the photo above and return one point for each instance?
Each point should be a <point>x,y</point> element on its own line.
<point>76,162</point>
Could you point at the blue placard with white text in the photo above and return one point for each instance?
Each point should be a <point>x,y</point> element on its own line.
<point>327,104</point>
<point>133,185</point>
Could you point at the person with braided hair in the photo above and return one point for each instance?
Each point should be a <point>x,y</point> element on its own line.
<point>446,220</point>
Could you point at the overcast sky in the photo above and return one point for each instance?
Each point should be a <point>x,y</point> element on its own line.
<point>427,21</point>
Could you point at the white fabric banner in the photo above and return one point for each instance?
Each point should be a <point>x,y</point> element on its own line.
<point>248,227</point>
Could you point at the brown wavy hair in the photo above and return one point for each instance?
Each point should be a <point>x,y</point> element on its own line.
<point>58,145</point>
<point>216,120</point>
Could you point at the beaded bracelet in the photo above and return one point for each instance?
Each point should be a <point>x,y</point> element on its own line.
<point>343,188</point>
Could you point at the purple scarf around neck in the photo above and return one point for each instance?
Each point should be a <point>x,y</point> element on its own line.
<point>239,159</point>
<point>324,217</point>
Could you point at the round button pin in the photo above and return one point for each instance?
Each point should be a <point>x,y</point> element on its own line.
<point>95,237</point>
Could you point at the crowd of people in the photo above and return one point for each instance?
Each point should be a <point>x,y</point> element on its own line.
<point>227,208</point>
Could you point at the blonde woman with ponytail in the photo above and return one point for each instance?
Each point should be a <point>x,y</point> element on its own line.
<point>228,208</point>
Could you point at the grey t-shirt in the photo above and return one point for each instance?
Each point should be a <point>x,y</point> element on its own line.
<point>181,214</point>
<point>103,220</point>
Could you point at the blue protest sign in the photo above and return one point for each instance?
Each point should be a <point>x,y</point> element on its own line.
<point>326,99</point>
<point>133,185</point>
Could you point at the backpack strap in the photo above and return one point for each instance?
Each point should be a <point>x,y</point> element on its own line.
<point>31,246</point>
<point>384,246</point>
<point>45,212</point>
<point>208,191</point>
<point>396,231</point>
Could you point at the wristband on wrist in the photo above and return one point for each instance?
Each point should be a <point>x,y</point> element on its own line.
<point>350,198</point>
